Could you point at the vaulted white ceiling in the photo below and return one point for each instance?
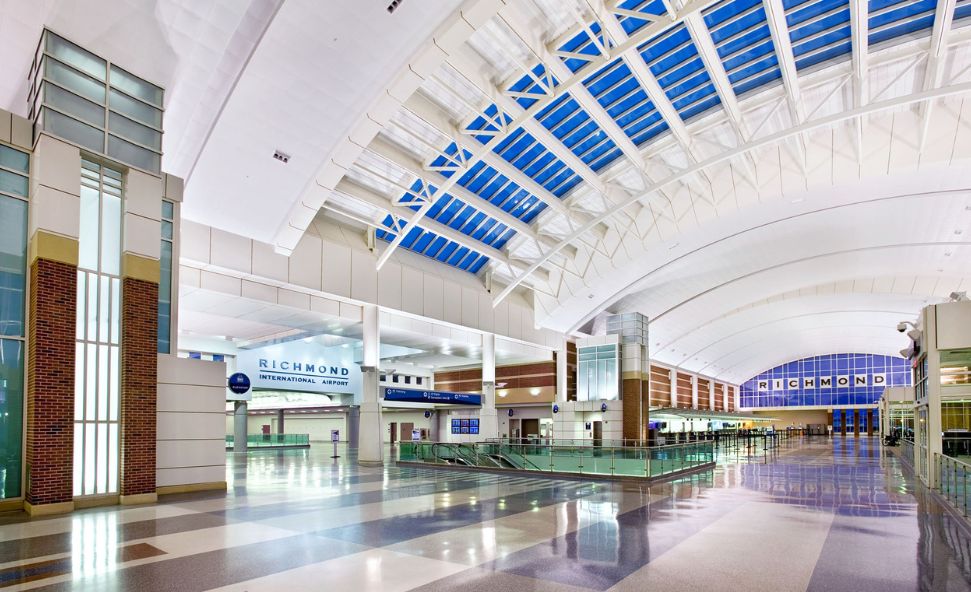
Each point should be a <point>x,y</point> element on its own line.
<point>738,170</point>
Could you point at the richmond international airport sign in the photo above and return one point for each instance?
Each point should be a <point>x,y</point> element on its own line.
<point>300,366</point>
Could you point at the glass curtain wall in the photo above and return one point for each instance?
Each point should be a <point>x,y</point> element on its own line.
<point>597,376</point>
<point>14,168</point>
<point>165,279</point>
<point>96,383</point>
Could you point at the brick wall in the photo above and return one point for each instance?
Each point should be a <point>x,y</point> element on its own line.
<point>50,382</point>
<point>139,371</point>
<point>634,410</point>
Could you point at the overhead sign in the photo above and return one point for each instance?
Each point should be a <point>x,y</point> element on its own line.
<point>300,366</point>
<point>821,382</point>
<point>441,397</point>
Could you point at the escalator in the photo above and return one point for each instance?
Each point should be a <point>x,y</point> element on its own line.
<point>463,455</point>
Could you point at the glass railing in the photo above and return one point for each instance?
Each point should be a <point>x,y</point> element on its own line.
<point>907,451</point>
<point>629,461</point>
<point>272,440</point>
<point>954,477</point>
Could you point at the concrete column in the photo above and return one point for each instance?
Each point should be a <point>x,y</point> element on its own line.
<point>371,438</point>
<point>279,422</point>
<point>694,392</point>
<point>488,421</point>
<point>353,427</point>
<point>240,427</point>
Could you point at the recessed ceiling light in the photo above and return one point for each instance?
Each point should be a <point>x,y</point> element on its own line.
<point>958,231</point>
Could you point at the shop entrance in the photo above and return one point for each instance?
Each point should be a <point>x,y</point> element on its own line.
<point>598,433</point>
<point>394,432</point>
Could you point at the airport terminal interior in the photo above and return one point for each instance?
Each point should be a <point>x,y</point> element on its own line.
<point>485,295</point>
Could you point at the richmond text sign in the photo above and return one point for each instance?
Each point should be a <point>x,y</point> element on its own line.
<point>821,382</point>
<point>300,366</point>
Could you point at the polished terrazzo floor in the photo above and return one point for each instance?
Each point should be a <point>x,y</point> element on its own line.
<point>817,515</point>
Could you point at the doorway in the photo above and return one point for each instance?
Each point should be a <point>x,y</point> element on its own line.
<point>406,429</point>
<point>598,433</point>
<point>530,428</point>
<point>394,432</point>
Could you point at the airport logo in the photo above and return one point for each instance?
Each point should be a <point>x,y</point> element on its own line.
<point>821,382</point>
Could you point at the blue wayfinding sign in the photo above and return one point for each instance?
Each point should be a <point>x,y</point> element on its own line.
<point>239,383</point>
<point>418,396</point>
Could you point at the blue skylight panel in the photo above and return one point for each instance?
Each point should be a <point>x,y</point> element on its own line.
<point>578,132</point>
<point>653,8</point>
<point>889,18</point>
<point>819,30</point>
<point>744,43</point>
<point>680,71</point>
<point>581,43</point>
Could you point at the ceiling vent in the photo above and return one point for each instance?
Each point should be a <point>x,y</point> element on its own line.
<point>394,5</point>
<point>284,158</point>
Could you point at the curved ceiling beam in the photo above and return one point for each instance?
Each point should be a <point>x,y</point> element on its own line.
<point>914,98</point>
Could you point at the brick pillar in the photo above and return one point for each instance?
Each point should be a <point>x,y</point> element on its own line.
<point>633,400</point>
<point>50,387</point>
<point>139,372</point>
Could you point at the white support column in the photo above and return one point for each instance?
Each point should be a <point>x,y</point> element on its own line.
<point>561,375</point>
<point>488,421</point>
<point>694,392</point>
<point>371,440</point>
<point>673,374</point>
<point>725,388</point>
<point>711,395</point>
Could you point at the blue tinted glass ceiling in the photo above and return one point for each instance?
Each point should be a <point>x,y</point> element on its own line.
<point>744,42</point>
<point>889,18</point>
<point>819,31</point>
<point>673,59</point>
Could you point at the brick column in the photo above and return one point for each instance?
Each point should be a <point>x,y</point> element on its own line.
<point>139,374</point>
<point>50,381</point>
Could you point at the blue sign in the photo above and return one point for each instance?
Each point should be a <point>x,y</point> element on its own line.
<point>417,396</point>
<point>556,408</point>
<point>239,383</point>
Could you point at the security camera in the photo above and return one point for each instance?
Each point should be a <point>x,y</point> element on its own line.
<point>914,334</point>
<point>958,296</point>
<point>901,327</point>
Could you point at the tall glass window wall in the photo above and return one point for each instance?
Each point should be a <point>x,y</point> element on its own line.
<point>165,279</point>
<point>14,168</point>
<point>834,379</point>
<point>80,97</point>
<point>97,368</point>
<point>597,376</point>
